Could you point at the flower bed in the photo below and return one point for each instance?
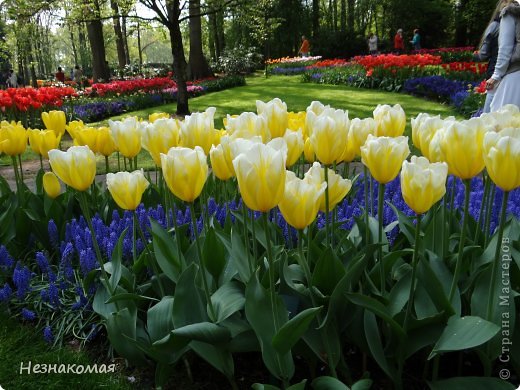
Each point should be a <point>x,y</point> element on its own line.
<point>281,247</point>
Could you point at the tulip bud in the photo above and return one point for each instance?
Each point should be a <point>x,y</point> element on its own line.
<point>51,185</point>
<point>55,120</point>
<point>76,167</point>
<point>501,152</point>
<point>384,156</point>
<point>127,188</point>
<point>423,184</point>
<point>391,121</point>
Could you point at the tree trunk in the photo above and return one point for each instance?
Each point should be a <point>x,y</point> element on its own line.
<point>461,28</point>
<point>343,16</point>
<point>83,51</point>
<point>350,25</point>
<point>212,36</point>
<point>198,66</point>
<point>221,42</point>
<point>315,18</point>
<point>139,47</point>
<point>120,45</point>
<point>97,45</point>
<point>179,60</point>
<point>125,41</point>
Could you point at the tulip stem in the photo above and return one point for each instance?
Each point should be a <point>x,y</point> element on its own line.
<point>134,238</point>
<point>253,230</point>
<point>118,161</point>
<point>107,165</point>
<point>367,230</point>
<point>135,163</point>
<point>489,210</point>
<point>201,263</point>
<point>246,238</point>
<point>458,265</point>
<point>272,282</point>
<point>174,213</point>
<point>84,208</point>
<point>304,264</point>
<point>380,200</point>
<point>17,178</point>
<point>486,180</point>
<point>496,263</point>
<point>415,261</point>
<point>41,162</point>
<point>327,234</point>
<point>21,168</point>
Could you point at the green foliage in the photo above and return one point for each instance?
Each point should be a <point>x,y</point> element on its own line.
<point>238,60</point>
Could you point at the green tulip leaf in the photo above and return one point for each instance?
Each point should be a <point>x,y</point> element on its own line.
<point>328,383</point>
<point>117,256</point>
<point>213,255</point>
<point>261,386</point>
<point>160,319</point>
<point>121,326</point>
<point>237,253</point>
<point>363,384</point>
<point>188,305</point>
<point>166,253</point>
<point>227,300</point>
<point>328,272</point>
<point>464,333</point>
<point>373,338</point>
<point>293,330</point>
<point>261,315</point>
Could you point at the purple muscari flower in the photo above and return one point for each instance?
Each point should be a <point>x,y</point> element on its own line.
<point>54,236</point>
<point>28,315</point>
<point>6,261</point>
<point>82,302</point>
<point>87,261</point>
<point>42,262</point>
<point>47,334</point>
<point>66,261</point>
<point>52,295</point>
<point>21,279</point>
<point>5,293</point>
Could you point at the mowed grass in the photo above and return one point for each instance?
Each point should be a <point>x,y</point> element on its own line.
<point>298,95</point>
<point>20,343</point>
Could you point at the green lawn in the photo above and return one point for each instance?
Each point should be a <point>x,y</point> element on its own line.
<point>359,102</point>
<point>20,343</point>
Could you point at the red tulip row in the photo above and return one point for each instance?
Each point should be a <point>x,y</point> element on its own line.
<point>23,99</point>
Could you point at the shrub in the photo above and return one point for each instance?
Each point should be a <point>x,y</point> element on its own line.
<point>238,60</point>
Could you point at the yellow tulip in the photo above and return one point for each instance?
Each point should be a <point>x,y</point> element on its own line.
<point>248,125</point>
<point>423,130</point>
<point>308,151</point>
<point>13,138</point>
<point>240,145</point>
<point>384,156</point>
<point>502,157</point>
<point>358,133</point>
<point>313,110</point>
<point>261,175</point>
<point>42,141</point>
<point>423,183</point>
<point>461,148</point>
<point>330,135</point>
<point>338,186</point>
<point>86,136</point>
<point>296,120</point>
<point>158,137</point>
<point>276,115</point>
<point>105,143</point>
<point>434,153</point>
<point>219,163</point>
<point>185,171</point>
<point>391,121</point>
<point>198,129</point>
<point>158,115</point>
<point>127,188</point>
<point>76,167</point>
<point>55,120</point>
<point>294,140</point>
<point>127,136</point>
<point>74,126</point>
<point>51,185</point>
<point>300,201</point>
<point>217,136</point>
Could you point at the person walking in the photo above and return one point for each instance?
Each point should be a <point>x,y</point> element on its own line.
<point>488,51</point>
<point>60,76</point>
<point>506,74</point>
<point>372,44</point>
<point>416,40</point>
<point>399,42</point>
<point>77,76</point>
<point>12,79</point>
<point>305,47</point>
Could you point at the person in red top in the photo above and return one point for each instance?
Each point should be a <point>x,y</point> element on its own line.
<point>399,42</point>
<point>60,76</point>
<point>305,47</point>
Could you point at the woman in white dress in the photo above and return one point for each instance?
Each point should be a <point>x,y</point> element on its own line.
<point>506,77</point>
